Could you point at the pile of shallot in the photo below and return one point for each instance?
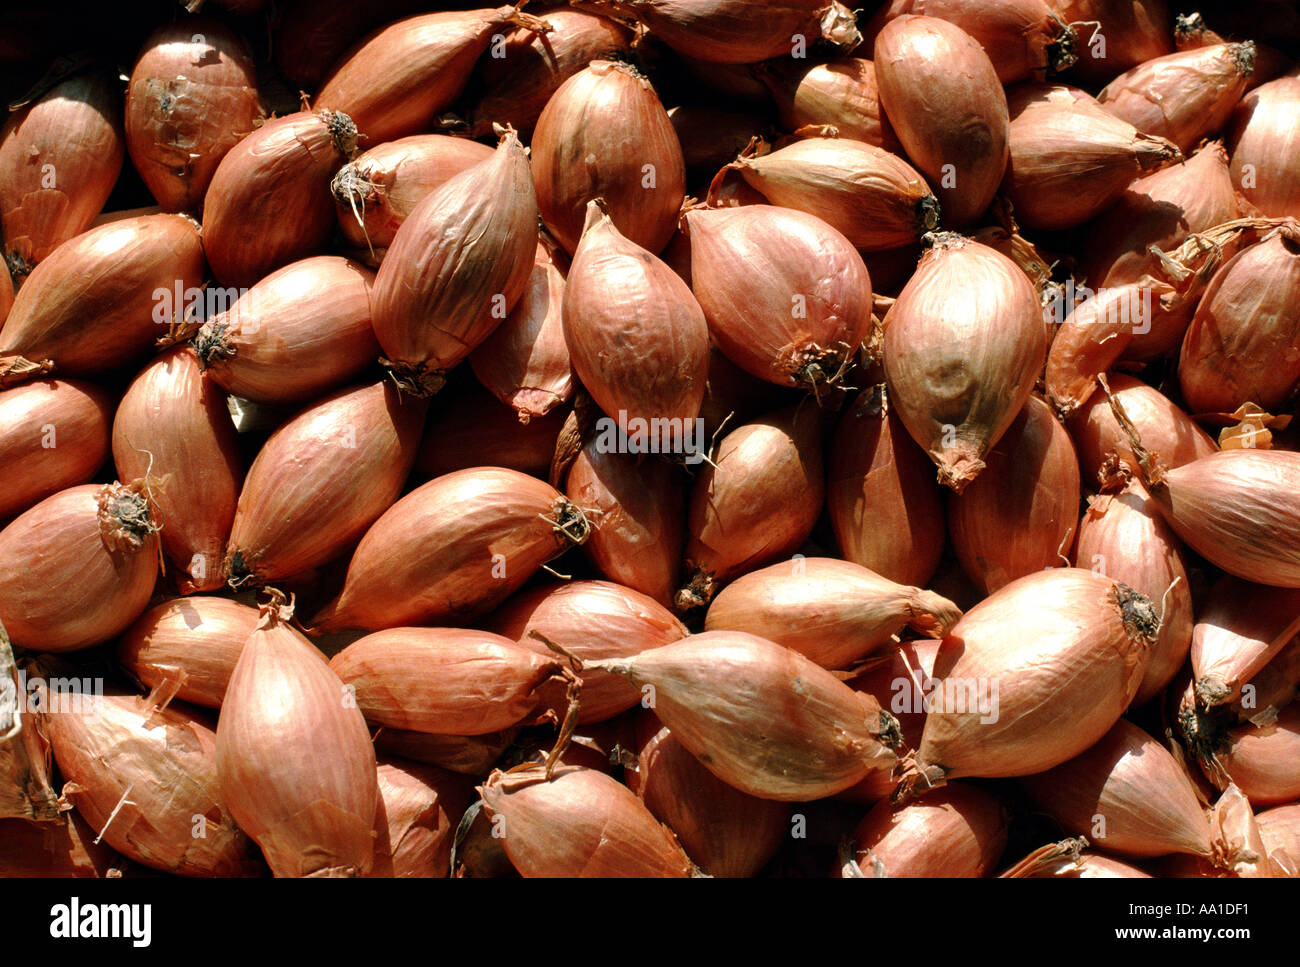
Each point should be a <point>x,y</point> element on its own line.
<point>651,438</point>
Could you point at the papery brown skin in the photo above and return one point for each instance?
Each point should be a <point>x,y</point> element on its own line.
<point>876,199</point>
<point>445,681</point>
<point>964,344</point>
<point>457,266</point>
<point>1133,31</point>
<point>1262,760</point>
<point>1165,429</point>
<point>63,849</point>
<point>636,336</point>
<point>476,430</point>
<point>321,480</point>
<point>1264,143</point>
<point>712,137</point>
<point>727,31</point>
<point>757,501</point>
<point>7,291</point>
<point>101,300</point>
<point>1060,689</point>
<point>525,362</point>
<point>312,34</point>
<point>306,791</point>
<point>159,765</point>
<point>26,769</point>
<point>76,574</point>
<point>59,159</point>
<point>595,139</point>
<point>637,506</point>
<point>1160,209</point>
<point>1279,829</point>
<point>842,93</point>
<point>394,81</point>
<point>884,503</point>
<point>54,434</point>
<point>1182,96</point>
<point>959,831</point>
<point>1240,847</point>
<point>1239,629</point>
<point>828,610</point>
<point>943,98</point>
<point>1070,159</point>
<point>469,755</point>
<point>1239,509</point>
<point>762,718</point>
<point>725,832</point>
<point>268,203</point>
<point>1128,795</point>
<point>299,333</point>
<point>1243,345</point>
<point>195,641</point>
<point>1088,866</point>
<point>1124,537</point>
<point>173,426</point>
<point>376,192</point>
<point>527,68</point>
<point>191,98</point>
<point>786,295</point>
<point>1018,516</point>
<point>416,821</point>
<point>452,550</point>
<point>580,823</point>
<point>592,620</point>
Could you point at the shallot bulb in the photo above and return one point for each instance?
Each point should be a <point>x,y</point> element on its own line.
<point>1240,628</point>
<point>959,831</point>
<point>1261,760</point>
<point>1264,144</point>
<point>475,429</point>
<point>415,823</point>
<point>1116,35</point>
<point>310,35</point>
<point>841,93</point>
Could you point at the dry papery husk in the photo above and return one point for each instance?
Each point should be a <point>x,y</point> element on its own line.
<point>1019,515</point>
<point>269,203</point>
<point>188,644</point>
<point>1060,689</point>
<point>72,132</point>
<point>831,611</point>
<point>726,696</point>
<point>445,681</point>
<point>884,503</point>
<point>1114,35</point>
<point>959,831</point>
<point>605,134</point>
<point>1239,629</point>
<point>1241,346</point>
<point>140,774</point>
<point>299,333</point>
<point>578,822</point>
<point>1182,96</point>
<point>755,502</point>
<point>637,506</point>
<point>294,757</point>
<point>876,199</point>
<point>1237,838</point>
<point>416,819</point>
<point>636,336</point>
<point>25,790</point>
<point>457,266</point>
<point>725,832</point>
<point>80,566</point>
<point>1070,158</point>
<point>338,464</point>
<point>841,93</point>
<point>173,426</point>
<point>1024,39</point>
<point>452,550</point>
<point>80,416</point>
<point>469,755</point>
<point>525,363</point>
<point>947,106</point>
<point>393,82</point>
<point>191,98</point>
<point>1067,861</point>
<point>65,848</point>
<point>1164,427</point>
<point>1124,537</point>
<point>964,343</point>
<point>1128,795</point>
<point>1160,209</point>
<point>376,192</point>
<point>1264,141</point>
<point>1261,760</point>
<point>786,296</point>
<point>102,298</point>
<point>728,32</point>
<point>528,68</point>
<point>1279,830</point>
<point>590,620</point>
